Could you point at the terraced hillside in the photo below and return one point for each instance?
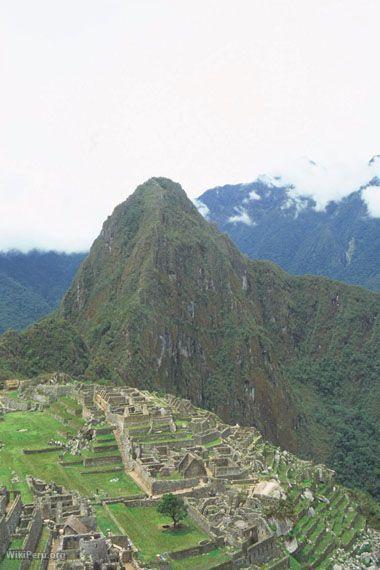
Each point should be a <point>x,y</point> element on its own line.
<point>95,462</point>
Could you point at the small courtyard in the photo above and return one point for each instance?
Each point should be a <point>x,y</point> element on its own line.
<point>145,527</point>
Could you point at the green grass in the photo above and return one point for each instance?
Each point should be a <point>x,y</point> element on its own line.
<point>87,484</point>
<point>181,423</point>
<point>144,526</point>
<point>104,521</point>
<point>212,443</point>
<point>13,394</point>
<point>66,409</point>
<point>8,563</point>
<point>202,561</point>
<point>294,564</point>
<point>41,427</point>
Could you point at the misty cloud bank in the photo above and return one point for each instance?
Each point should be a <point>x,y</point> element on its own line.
<point>332,182</point>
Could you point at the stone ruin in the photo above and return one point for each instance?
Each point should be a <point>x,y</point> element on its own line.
<point>228,476</point>
<point>71,523</point>
<point>165,445</point>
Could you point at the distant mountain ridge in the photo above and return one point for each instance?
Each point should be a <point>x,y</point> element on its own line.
<point>269,220</point>
<point>32,284</point>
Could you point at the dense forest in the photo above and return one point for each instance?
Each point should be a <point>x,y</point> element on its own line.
<point>267,220</point>
<point>32,284</point>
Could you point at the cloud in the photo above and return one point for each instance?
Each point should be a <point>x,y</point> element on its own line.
<point>371,195</point>
<point>201,207</point>
<point>295,202</point>
<point>324,183</point>
<point>254,195</point>
<point>242,217</point>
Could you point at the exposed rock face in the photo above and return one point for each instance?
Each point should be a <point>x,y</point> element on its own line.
<point>165,301</point>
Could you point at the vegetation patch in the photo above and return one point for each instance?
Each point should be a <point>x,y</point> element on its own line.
<point>32,430</point>
<point>146,528</point>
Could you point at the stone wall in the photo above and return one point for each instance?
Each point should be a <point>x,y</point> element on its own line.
<point>42,450</point>
<point>5,537</point>
<point>225,432</point>
<point>196,550</point>
<point>16,405</point>
<point>263,551</point>
<point>87,461</point>
<point>203,522</point>
<point>34,534</point>
<point>135,502</point>
<point>170,486</point>
<point>3,503</point>
<point>206,438</point>
<point>8,524</point>
<point>159,486</point>
<point>108,470</point>
<point>14,513</point>
<point>174,444</point>
<point>101,448</point>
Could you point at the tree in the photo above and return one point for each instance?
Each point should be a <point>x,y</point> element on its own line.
<point>172,506</point>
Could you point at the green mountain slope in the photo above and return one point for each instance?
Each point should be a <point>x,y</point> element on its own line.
<point>32,284</point>
<point>165,301</point>
<point>19,306</point>
<point>51,344</point>
<point>266,219</point>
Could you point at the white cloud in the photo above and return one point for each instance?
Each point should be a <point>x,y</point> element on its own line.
<point>253,195</point>
<point>371,195</point>
<point>201,207</point>
<point>331,182</point>
<point>270,181</point>
<point>295,202</point>
<point>242,217</point>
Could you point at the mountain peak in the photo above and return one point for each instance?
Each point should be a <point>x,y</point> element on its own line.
<point>160,186</point>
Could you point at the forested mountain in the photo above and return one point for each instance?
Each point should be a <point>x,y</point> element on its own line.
<point>32,284</point>
<point>268,220</point>
<point>165,301</point>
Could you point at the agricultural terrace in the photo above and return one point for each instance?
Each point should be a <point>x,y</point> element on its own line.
<point>21,431</point>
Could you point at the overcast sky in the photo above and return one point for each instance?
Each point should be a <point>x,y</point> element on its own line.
<point>98,95</point>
